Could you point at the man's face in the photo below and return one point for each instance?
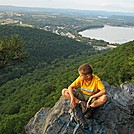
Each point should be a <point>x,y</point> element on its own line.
<point>83,76</point>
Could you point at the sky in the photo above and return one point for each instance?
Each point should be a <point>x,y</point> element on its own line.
<point>103,5</point>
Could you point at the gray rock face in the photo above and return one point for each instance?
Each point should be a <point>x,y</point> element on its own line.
<point>114,117</point>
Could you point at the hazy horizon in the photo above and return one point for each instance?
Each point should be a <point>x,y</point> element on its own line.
<point>103,5</point>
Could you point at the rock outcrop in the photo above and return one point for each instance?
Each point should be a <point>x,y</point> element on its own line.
<point>114,117</point>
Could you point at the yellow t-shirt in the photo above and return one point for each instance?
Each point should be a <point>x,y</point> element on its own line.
<point>89,88</point>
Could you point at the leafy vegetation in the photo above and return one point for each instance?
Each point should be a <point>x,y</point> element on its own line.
<point>116,66</point>
<point>52,65</point>
<point>42,48</point>
<point>11,51</point>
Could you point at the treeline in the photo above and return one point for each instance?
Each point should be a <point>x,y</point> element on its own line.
<point>24,94</point>
<point>127,20</point>
<point>96,25</point>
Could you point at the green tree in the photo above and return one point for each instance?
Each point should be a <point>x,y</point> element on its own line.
<point>11,51</point>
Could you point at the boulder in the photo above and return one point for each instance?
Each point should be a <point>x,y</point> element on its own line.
<point>116,116</point>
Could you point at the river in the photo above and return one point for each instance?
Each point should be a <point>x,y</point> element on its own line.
<point>110,34</point>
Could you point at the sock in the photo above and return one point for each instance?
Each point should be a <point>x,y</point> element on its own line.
<point>79,102</point>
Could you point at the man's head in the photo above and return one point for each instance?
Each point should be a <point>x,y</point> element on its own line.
<point>85,71</point>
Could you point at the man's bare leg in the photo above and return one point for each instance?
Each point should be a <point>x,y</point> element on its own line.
<point>66,94</point>
<point>100,101</point>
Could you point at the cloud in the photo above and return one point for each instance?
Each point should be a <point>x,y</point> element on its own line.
<point>107,5</point>
<point>103,4</point>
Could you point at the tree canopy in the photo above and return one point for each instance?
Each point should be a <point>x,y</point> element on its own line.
<point>11,51</point>
<point>51,65</point>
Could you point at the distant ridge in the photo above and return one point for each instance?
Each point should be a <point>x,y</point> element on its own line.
<point>62,10</point>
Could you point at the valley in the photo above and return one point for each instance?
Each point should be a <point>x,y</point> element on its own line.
<point>65,22</point>
<point>54,50</point>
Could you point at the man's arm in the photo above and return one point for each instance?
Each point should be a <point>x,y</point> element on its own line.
<point>100,93</point>
<point>71,92</point>
<point>72,98</point>
<point>75,84</point>
<point>101,88</point>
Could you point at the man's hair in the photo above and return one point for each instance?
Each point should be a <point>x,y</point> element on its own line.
<point>85,69</point>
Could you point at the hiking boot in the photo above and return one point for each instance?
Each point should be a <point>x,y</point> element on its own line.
<point>89,112</point>
<point>83,106</point>
<point>79,118</point>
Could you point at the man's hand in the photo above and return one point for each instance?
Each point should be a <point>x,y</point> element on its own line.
<point>89,102</point>
<point>72,103</point>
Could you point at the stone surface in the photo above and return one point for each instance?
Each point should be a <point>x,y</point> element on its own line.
<point>114,117</point>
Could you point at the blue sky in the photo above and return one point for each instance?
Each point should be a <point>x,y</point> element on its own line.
<point>105,5</point>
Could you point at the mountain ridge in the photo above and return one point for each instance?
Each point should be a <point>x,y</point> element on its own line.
<point>62,10</point>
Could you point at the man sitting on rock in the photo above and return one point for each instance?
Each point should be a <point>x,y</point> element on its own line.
<point>91,94</point>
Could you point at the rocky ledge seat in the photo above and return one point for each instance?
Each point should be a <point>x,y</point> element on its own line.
<point>114,117</point>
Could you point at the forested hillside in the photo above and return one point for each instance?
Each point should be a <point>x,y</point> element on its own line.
<point>52,65</point>
<point>20,96</point>
<point>115,66</point>
<point>42,48</point>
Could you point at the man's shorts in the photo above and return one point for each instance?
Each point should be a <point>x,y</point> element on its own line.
<point>81,96</point>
